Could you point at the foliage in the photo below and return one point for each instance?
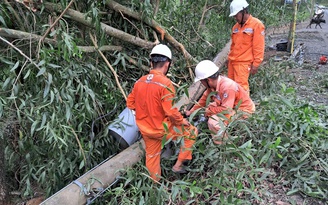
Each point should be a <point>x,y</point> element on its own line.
<point>52,94</point>
<point>283,144</point>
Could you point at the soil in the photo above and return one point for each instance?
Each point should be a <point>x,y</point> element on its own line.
<point>311,84</point>
<point>311,77</point>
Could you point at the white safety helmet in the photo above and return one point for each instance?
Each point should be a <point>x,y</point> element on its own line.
<point>205,69</point>
<point>163,50</point>
<point>236,6</point>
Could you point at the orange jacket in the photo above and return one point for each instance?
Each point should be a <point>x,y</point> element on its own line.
<point>247,42</point>
<point>151,98</point>
<point>227,95</point>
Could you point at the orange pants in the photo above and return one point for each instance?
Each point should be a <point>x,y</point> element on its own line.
<point>153,148</point>
<point>239,72</point>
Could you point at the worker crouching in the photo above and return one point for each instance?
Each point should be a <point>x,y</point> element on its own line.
<point>152,99</point>
<point>225,96</point>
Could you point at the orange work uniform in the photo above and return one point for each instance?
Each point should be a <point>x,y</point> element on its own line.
<point>227,96</point>
<point>151,98</point>
<point>247,48</point>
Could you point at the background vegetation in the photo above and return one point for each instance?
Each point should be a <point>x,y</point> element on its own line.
<point>53,91</point>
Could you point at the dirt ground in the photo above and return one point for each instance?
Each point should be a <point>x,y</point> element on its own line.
<point>311,83</point>
<point>310,74</point>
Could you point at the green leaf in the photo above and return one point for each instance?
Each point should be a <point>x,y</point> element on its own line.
<point>27,74</point>
<point>41,63</point>
<point>41,71</point>
<point>3,21</point>
<point>5,84</point>
<point>15,66</point>
<point>81,164</point>
<point>265,158</point>
<point>286,102</point>
<point>246,145</point>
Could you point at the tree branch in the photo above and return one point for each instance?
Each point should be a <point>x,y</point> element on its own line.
<point>109,65</point>
<point>116,33</point>
<point>156,26</point>
<point>90,49</point>
<point>56,21</point>
<point>11,33</point>
<point>134,62</point>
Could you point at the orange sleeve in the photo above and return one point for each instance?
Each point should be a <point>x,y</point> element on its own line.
<point>258,44</point>
<point>227,102</point>
<point>172,113</point>
<point>130,101</point>
<point>201,102</point>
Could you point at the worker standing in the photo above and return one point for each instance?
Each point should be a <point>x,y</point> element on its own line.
<point>152,99</point>
<point>247,44</point>
<point>225,95</point>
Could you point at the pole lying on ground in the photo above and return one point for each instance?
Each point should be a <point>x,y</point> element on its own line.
<point>103,175</point>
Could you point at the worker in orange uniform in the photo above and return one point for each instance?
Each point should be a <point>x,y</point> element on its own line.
<point>247,44</point>
<point>151,98</point>
<point>225,97</point>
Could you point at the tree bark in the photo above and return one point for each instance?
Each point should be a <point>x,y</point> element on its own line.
<point>116,33</point>
<point>11,33</point>
<point>91,49</point>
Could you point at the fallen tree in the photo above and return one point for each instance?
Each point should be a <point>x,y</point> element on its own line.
<point>106,173</point>
<point>87,21</point>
